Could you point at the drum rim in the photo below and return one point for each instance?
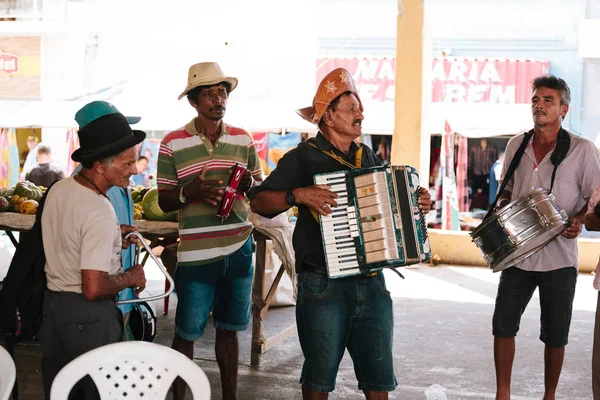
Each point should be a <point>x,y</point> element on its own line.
<point>496,267</point>
<point>527,197</point>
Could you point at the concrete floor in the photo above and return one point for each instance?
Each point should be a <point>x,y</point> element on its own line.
<point>442,337</point>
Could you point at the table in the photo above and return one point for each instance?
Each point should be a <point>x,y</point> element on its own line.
<point>260,304</point>
<point>15,222</point>
<point>161,233</point>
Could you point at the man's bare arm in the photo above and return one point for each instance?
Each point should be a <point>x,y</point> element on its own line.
<point>168,200</point>
<point>269,202</point>
<point>98,285</point>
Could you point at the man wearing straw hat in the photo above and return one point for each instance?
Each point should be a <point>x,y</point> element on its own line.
<point>82,241</point>
<point>353,313</point>
<point>214,257</point>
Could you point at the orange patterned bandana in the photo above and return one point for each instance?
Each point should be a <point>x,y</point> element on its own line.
<point>333,85</point>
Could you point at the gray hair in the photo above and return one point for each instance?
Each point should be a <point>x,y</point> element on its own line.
<point>108,160</point>
<point>552,82</point>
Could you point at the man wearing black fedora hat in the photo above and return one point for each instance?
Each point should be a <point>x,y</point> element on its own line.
<point>82,242</point>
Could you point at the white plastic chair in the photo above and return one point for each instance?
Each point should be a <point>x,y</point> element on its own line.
<point>8,374</point>
<point>126,370</point>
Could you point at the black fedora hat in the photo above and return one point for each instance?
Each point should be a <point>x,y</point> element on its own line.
<point>104,137</point>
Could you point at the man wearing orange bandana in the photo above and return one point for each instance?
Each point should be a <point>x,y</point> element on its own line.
<point>356,312</point>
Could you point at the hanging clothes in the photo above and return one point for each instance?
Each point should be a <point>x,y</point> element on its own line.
<point>462,189</point>
<point>9,158</point>
<point>72,140</point>
<point>450,216</point>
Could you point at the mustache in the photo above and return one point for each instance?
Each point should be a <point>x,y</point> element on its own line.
<point>539,112</point>
<point>217,108</point>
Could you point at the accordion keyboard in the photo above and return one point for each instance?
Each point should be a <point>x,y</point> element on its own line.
<point>339,229</point>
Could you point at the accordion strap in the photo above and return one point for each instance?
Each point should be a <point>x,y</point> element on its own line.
<point>330,153</point>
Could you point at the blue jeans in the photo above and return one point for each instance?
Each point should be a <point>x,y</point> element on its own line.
<point>354,313</point>
<point>224,286</point>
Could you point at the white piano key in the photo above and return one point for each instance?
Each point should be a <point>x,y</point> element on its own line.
<point>341,257</point>
<point>333,236</point>
<point>339,188</point>
<point>345,272</point>
<point>350,263</point>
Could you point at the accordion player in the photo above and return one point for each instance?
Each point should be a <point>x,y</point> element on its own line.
<point>377,223</point>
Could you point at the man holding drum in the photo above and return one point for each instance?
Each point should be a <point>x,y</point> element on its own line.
<point>553,268</point>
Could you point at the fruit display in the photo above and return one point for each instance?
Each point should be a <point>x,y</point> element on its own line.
<point>28,207</point>
<point>152,210</point>
<point>22,198</point>
<point>145,205</point>
<point>28,190</point>
<point>4,204</point>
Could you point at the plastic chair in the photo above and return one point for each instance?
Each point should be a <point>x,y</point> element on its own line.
<point>128,370</point>
<point>8,374</point>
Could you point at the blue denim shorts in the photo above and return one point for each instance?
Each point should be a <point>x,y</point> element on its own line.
<point>354,313</point>
<point>224,286</point>
<point>557,290</point>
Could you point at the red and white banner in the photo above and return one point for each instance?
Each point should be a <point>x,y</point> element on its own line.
<point>454,80</point>
<point>374,77</point>
<point>484,80</point>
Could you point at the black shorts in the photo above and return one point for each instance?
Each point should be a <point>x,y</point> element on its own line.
<point>557,290</point>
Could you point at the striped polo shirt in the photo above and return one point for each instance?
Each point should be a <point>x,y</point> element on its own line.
<point>204,237</point>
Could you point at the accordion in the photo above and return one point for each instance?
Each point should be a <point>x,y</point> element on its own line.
<point>377,223</point>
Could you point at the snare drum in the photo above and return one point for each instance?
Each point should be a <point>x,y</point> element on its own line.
<point>519,229</point>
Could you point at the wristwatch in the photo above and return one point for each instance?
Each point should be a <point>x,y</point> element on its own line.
<point>290,198</point>
<point>182,198</point>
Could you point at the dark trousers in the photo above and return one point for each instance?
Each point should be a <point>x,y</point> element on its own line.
<point>72,326</point>
<point>596,354</point>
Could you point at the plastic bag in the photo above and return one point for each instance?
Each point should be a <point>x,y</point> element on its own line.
<point>435,392</point>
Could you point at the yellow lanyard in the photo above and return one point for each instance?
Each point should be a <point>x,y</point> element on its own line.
<point>339,159</point>
<point>330,153</point>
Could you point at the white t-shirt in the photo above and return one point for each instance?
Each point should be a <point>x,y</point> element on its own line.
<point>79,231</point>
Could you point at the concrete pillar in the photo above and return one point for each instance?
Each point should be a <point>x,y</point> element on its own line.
<point>407,146</point>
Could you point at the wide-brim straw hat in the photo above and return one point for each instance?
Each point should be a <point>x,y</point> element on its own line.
<point>207,74</point>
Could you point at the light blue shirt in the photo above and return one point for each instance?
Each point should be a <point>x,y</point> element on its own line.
<point>123,205</point>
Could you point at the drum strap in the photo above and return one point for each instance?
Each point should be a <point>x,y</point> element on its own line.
<point>511,169</point>
<point>563,144</point>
